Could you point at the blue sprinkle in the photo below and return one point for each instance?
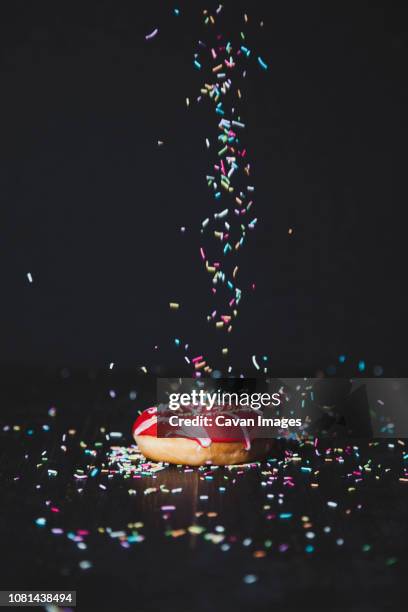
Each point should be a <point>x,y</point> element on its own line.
<point>262,63</point>
<point>309,548</point>
<point>361,365</point>
<point>342,358</point>
<point>250,578</point>
<point>40,522</point>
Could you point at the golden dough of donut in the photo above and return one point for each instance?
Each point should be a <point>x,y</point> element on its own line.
<point>188,452</point>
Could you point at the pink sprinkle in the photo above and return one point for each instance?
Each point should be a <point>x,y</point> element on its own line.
<point>168,508</point>
<point>200,358</point>
<point>202,253</point>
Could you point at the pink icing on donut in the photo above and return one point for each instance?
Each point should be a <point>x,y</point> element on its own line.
<point>146,425</point>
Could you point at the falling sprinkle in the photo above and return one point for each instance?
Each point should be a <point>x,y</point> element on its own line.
<point>254,361</point>
<point>262,63</point>
<point>250,579</point>
<point>152,34</point>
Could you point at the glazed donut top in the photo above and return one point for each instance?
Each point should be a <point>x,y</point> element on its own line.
<point>146,425</point>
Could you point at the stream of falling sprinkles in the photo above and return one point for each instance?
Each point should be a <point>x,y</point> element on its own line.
<point>222,62</point>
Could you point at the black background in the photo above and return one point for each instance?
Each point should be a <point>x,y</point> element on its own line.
<point>92,207</point>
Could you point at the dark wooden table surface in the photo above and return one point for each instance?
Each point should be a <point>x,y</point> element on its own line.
<point>261,537</point>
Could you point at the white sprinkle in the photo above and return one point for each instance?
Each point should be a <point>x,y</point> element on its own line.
<point>29,276</point>
<point>111,365</point>
<point>85,565</point>
<point>254,361</point>
<point>332,504</point>
<point>152,34</point>
<point>222,214</point>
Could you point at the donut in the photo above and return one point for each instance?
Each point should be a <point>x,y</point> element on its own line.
<point>212,449</point>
